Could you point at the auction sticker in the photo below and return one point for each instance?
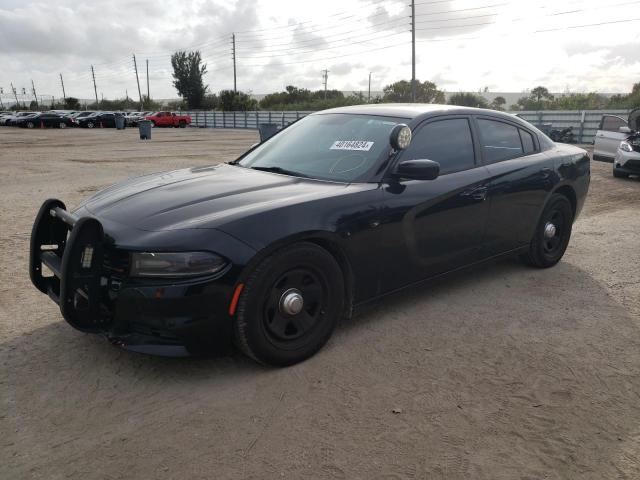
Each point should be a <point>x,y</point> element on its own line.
<point>359,145</point>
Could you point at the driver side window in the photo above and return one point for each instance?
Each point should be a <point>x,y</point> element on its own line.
<point>447,142</point>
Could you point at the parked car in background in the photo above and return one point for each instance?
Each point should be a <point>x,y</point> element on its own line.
<point>98,120</point>
<point>11,120</point>
<point>169,119</point>
<point>132,118</point>
<point>44,120</point>
<point>613,129</point>
<point>78,115</point>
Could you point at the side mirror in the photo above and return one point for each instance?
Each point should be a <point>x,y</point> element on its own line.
<point>624,129</point>
<point>417,169</point>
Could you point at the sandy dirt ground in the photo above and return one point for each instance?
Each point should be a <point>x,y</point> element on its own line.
<point>503,372</point>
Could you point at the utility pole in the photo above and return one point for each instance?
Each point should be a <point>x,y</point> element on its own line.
<point>233,43</point>
<point>369,97</point>
<point>64,95</point>
<point>413,50</point>
<point>325,76</point>
<point>135,66</point>
<point>1,93</point>
<point>148,94</point>
<point>15,94</point>
<point>33,89</point>
<point>95,89</point>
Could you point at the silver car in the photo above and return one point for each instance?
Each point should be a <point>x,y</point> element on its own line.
<point>618,141</point>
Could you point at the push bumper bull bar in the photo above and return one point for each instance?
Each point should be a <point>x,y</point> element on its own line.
<point>72,249</point>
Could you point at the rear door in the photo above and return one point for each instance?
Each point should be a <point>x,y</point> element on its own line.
<point>608,137</point>
<point>520,177</point>
<point>433,226</point>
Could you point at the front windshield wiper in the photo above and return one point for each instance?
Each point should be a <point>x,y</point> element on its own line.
<point>283,171</point>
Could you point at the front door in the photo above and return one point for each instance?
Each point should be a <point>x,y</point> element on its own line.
<point>433,226</point>
<point>608,137</point>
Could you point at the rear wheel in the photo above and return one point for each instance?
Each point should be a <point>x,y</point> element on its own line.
<point>290,305</point>
<point>552,234</point>
<point>90,125</point>
<point>30,125</point>
<point>182,124</point>
<point>62,125</point>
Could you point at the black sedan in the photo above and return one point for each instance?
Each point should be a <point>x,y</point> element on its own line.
<point>43,120</point>
<point>269,251</point>
<point>99,120</point>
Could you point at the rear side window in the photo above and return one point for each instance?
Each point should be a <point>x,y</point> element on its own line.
<point>612,124</point>
<point>527,142</point>
<point>500,141</point>
<point>447,142</point>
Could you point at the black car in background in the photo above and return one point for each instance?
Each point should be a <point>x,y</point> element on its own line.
<point>99,120</point>
<point>342,207</point>
<point>44,120</point>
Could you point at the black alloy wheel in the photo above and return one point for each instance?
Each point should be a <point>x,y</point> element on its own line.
<point>552,234</point>
<point>290,305</point>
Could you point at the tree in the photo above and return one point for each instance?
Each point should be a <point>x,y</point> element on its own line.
<point>72,103</point>
<point>150,105</point>
<point>188,71</point>
<point>540,93</point>
<point>236,101</point>
<point>539,99</point>
<point>498,103</point>
<point>426,92</point>
<point>468,100</point>
<point>631,100</point>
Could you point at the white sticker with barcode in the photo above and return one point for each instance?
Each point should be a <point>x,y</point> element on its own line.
<point>359,145</point>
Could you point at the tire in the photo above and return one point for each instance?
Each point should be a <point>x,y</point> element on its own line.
<point>90,125</point>
<point>62,125</point>
<point>30,125</point>
<point>618,174</point>
<point>544,251</point>
<point>265,330</point>
<point>182,124</point>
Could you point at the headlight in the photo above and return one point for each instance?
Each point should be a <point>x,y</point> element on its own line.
<point>626,147</point>
<point>183,264</point>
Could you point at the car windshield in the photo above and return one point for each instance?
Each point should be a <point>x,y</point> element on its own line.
<point>333,146</point>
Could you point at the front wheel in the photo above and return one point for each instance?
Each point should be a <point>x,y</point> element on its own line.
<point>290,305</point>
<point>62,125</point>
<point>90,125</point>
<point>31,125</point>
<point>552,234</point>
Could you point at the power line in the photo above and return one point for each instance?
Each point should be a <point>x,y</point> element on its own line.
<point>287,53</point>
<point>520,19</point>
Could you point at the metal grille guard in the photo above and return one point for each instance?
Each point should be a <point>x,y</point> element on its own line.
<point>72,248</point>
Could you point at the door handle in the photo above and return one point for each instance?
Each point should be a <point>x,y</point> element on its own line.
<point>478,193</point>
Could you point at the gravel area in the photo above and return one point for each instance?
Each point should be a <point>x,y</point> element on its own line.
<point>500,372</point>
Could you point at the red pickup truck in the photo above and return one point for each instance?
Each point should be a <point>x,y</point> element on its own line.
<point>169,119</point>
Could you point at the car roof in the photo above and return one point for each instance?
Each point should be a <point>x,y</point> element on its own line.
<point>412,110</point>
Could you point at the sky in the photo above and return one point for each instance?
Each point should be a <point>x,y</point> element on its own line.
<point>461,45</point>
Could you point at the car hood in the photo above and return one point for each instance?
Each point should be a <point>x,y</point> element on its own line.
<point>206,197</point>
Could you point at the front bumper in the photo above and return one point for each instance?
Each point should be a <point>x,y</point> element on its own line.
<point>89,283</point>
<point>627,162</point>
